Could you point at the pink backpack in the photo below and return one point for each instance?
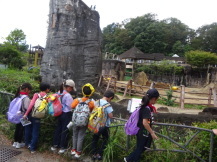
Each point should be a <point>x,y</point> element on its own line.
<point>131,127</point>
<point>55,104</point>
<point>14,114</point>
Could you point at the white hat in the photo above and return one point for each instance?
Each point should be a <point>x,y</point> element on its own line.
<point>70,83</point>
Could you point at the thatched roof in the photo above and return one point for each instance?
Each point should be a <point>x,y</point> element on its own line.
<point>133,53</point>
<point>38,47</point>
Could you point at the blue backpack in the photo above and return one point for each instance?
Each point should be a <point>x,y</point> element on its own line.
<point>14,114</point>
<point>131,127</point>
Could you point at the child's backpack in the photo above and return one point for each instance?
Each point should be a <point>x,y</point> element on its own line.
<point>40,107</point>
<point>14,113</point>
<point>81,113</point>
<point>131,127</point>
<point>97,118</point>
<point>55,104</point>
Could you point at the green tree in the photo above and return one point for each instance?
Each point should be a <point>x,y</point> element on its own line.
<point>206,39</point>
<point>11,57</point>
<point>200,58</point>
<point>17,38</point>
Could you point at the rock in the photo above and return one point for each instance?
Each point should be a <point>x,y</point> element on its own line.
<point>73,44</point>
<point>163,109</point>
<point>141,78</point>
<point>211,110</point>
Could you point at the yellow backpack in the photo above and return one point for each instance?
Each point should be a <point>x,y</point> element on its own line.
<point>97,118</point>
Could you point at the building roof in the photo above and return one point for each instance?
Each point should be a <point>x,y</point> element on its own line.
<point>136,54</point>
<point>38,47</point>
<point>133,53</point>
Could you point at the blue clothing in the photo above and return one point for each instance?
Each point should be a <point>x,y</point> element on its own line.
<point>107,111</point>
<point>66,102</point>
<point>32,133</point>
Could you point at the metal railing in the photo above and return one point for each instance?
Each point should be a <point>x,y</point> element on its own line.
<point>183,148</point>
<point>5,99</point>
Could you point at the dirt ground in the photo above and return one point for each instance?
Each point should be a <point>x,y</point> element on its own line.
<point>196,95</point>
<point>26,156</point>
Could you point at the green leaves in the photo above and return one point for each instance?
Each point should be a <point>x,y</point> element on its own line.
<point>201,58</point>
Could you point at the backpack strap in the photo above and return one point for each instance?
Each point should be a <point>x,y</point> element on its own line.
<point>87,101</point>
<point>106,105</point>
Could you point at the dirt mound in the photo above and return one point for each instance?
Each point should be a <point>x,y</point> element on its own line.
<point>206,88</point>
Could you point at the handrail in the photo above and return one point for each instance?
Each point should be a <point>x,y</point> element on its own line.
<point>184,146</point>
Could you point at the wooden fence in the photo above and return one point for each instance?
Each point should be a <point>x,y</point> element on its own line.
<point>181,96</point>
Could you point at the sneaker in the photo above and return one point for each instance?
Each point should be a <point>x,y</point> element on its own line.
<point>14,144</point>
<point>19,145</point>
<point>73,152</point>
<point>77,155</point>
<point>125,160</point>
<point>61,151</point>
<point>32,152</point>
<point>99,157</point>
<point>53,148</point>
<point>94,157</point>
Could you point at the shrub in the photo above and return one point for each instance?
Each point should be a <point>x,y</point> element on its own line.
<point>12,79</point>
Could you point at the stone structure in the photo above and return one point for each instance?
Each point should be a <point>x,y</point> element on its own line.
<point>73,44</point>
<point>114,68</point>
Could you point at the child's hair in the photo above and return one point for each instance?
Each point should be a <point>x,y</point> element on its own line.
<point>109,94</point>
<point>22,87</point>
<point>88,90</point>
<point>151,93</point>
<point>44,86</point>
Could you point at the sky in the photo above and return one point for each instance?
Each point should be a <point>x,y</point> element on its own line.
<point>32,15</point>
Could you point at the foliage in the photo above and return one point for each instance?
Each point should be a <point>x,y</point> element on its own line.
<point>168,100</point>
<point>12,79</point>
<point>164,67</point>
<point>200,58</point>
<point>17,38</point>
<point>148,34</point>
<point>11,57</point>
<point>206,38</point>
<point>202,144</point>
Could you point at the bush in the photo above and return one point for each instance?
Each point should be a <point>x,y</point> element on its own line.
<point>11,57</point>
<point>12,79</point>
<point>168,100</point>
<point>162,68</point>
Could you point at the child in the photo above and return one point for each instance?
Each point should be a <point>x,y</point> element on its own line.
<point>145,134</point>
<point>24,89</point>
<point>61,131</point>
<point>32,130</point>
<point>98,152</point>
<point>79,131</point>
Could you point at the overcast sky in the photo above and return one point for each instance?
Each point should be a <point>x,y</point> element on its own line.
<point>32,15</point>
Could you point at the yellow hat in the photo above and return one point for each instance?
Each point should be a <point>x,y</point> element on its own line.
<point>91,88</point>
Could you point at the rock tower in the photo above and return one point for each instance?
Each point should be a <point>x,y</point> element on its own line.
<point>73,44</point>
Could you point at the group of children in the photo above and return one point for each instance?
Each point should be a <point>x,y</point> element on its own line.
<point>60,138</point>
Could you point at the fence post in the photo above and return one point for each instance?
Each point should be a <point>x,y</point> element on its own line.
<point>115,81</point>
<point>100,80</point>
<point>152,85</point>
<point>131,86</point>
<point>214,97</point>
<point>182,97</point>
<point>209,96</point>
<point>108,84</point>
<point>125,92</point>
